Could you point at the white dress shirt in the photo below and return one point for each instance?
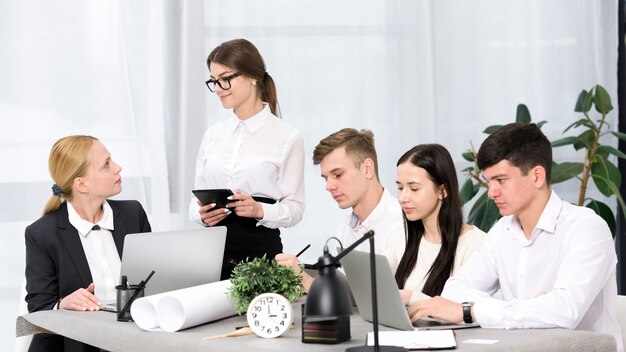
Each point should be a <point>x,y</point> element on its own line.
<point>100,250</point>
<point>261,156</point>
<point>426,255</point>
<point>564,276</point>
<point>386,220</point>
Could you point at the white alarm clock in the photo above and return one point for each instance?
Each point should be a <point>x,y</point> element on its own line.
<point>270,315</point>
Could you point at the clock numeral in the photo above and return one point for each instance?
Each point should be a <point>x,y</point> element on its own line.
<point>257,308</point>
<point>282,322</point>
<point>256,323</point>
<point>284,315</point>
<point>282,308</point>
<point>276,328</point>
<point>254,315</point>
<point>269,330</point>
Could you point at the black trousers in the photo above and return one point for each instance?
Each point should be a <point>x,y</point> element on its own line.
<point>245,240</point>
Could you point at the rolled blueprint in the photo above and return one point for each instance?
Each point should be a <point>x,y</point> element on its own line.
<point>181,309</point>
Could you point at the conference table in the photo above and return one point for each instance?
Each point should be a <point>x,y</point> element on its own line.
<point>101,329</point>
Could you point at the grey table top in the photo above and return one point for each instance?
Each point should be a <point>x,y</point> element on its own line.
<point>103,330</point>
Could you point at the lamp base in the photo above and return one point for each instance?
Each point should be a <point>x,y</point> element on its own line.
<point>331,331</point>
<point>373,349</point>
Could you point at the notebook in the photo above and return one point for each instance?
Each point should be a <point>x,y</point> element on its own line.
<point>180,259</point>
<point>391,309</point>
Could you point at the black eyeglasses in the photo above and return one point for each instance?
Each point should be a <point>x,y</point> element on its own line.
<point>223,82</point>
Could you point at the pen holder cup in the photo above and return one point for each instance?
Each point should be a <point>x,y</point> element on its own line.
<point>123,295</point>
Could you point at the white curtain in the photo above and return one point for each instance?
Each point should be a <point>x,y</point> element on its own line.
<point>416,71</point>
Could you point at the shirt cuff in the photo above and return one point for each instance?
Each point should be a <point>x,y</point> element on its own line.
<point>269,213</point>
<point>488,312</point>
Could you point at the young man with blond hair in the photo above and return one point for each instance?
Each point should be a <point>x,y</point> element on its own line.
<point>349,166</point>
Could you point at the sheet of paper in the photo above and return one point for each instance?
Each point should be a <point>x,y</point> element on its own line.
<point>480,341</point>
<point>414,340</point>
<point>181,309</point>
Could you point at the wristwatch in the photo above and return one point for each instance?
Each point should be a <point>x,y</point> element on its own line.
<point>467,312</point>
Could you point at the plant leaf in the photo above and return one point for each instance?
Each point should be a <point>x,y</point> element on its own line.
<point>469,156</point>
<point>484,213</point>
<point>583,122</point>
<point>605,213</point>
<point>492,129</point>
<point>619,135</point>
<point>602,100</point>
<point>468,191</point>
<point>587,102</point>
<point>611,150</point>
<point>580,102</point>
<point>565,171</point>
<point>605,174</point>
<point>522,115</point>
<point>541,123</point>
<point>565,141</point>
<point>585,140</point>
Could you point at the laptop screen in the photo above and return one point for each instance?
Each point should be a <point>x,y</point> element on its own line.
<point>180,259</point>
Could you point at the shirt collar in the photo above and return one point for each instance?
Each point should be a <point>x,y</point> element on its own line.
<point>84,226</point>
<point>375,215</point>
<point>253,123</point>
<point>550,214</point>
<point>546,222</point>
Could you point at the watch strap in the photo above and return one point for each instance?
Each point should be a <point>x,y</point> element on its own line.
<point>467,312</point>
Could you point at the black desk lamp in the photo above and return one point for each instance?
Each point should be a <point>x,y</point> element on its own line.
<point>329,298</point>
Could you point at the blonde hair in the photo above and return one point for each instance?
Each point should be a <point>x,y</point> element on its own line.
<point>68,160</point>
<point>359,146</point>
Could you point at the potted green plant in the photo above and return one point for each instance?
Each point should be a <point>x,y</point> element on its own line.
<point>261,275</point>
<point>596,164</point>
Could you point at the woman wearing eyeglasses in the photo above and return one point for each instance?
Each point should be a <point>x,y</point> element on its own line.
<point>254,153</point>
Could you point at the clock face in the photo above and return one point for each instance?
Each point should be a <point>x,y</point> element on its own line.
<point>269,315</point>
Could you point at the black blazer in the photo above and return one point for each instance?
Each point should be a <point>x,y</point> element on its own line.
<point>56,264</point>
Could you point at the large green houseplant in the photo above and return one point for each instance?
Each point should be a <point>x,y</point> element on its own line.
<point>596,164</point>
<point>261,275</point>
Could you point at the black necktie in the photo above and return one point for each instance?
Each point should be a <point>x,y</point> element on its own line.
<point>95,228</point>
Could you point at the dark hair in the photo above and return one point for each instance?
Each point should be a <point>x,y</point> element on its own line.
<point>436,160</point>
<point>359,146</point>
<point>523,145</point>
<point>242,56</point>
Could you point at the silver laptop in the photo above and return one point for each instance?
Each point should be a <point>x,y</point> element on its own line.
<point>391,309</point>
<point>180,259</point>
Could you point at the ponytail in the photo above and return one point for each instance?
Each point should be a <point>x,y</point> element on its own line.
<point>54,203</point>
<point>269,95</point>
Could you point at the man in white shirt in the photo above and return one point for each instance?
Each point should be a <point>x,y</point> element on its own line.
<point>553,262</point>
<point>349,165</point>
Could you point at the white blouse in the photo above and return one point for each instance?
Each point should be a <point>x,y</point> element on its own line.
<point>100,250</point>
<point>426,255</point>
<point>262,156</point>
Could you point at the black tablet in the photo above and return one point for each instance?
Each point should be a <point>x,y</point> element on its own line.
<point>217,196</point>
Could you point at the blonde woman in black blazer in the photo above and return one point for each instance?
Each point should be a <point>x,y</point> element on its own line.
<point>58,268</point>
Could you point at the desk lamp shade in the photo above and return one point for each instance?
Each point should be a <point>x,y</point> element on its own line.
<point>326,313</point>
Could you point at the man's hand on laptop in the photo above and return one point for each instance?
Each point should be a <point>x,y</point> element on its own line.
<point>292,261</point>
<point>437,307</point>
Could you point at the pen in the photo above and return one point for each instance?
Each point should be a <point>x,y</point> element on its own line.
<point>303,250</point>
